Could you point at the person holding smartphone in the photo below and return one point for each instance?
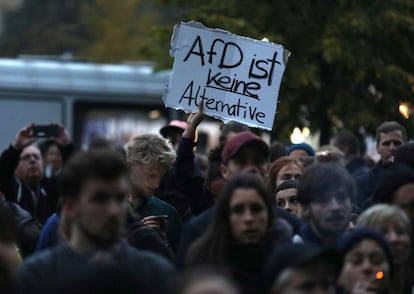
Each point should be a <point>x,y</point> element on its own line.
<point>22,170</point>
<point>149,157</point>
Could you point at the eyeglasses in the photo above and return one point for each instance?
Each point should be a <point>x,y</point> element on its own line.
<point>28,157</point>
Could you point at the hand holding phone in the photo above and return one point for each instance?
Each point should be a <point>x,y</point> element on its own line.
<point>45,131</point>
<point>158,222</point>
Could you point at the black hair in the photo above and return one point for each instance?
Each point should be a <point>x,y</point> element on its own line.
<point>100,164</point>
<point>347,142</point>
<point>213,172</point>
<point>277,150</point>
<point>229,127</point>
<point>322,178</point>
<point>390,180</point>
<point>405,154</point>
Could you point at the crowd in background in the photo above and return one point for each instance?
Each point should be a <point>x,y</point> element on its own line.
<point>155,216</point>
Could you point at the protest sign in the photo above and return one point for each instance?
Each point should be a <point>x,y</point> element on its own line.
<point>236,78</point>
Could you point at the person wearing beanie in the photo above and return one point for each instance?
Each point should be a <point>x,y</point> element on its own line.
<point>286,197</point>
<point>301,150</point>
<point>367,262</point>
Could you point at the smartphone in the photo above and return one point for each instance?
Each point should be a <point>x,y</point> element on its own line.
<point>161,217</point>
<point>163,220</point>
<point>45,131</point>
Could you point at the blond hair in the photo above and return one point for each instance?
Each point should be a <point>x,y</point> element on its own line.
<point>377,214</point>
<point>150,149</point>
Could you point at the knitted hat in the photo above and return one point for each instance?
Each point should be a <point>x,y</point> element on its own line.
<point>302,146</point>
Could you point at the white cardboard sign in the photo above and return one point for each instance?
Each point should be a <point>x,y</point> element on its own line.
<point>236,78</point>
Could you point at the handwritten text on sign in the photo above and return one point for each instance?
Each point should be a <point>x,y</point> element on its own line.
<point>236,78</point>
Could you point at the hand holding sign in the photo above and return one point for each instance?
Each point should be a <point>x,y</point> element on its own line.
<point>233,77</point>
<point>193,121</point>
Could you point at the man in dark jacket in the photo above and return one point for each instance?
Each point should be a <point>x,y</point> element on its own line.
<point>21,174</point>
<point>149,157</point>
<point>95,259</point>
<point>389,135</point>
<point>325,194</point>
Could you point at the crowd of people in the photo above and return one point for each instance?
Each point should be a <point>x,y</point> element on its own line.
<point>156,217</point>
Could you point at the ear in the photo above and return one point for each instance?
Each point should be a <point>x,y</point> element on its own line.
<point>224,171</point>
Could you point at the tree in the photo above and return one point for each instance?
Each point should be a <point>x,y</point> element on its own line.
<point>351,61</point>
<point>96,30</point>
<point>120,30</point>
<point>42,27</point>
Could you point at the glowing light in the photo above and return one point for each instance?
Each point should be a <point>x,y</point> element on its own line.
<point>154,114</point>
<point>404,110</point>
<point>298,135</point>
<point>305,132</point>
<point>379,275</point>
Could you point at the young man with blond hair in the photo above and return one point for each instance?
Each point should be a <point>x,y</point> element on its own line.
<point>149,157</point>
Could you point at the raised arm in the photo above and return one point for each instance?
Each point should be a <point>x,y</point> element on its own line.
<point>190,180</point>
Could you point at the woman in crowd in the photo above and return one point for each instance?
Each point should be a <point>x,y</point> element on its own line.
<point>367,265</point>
<point>283,169</point>
<point>394,224</point>
<point>286,197</point>
<point>241,234</point>
<point>52,157</point>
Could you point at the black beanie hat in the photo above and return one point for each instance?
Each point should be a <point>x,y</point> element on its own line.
<point>289,184</point>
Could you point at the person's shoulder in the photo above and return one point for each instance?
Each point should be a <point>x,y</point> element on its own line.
<point>147,259</point>
<point>152,273</point>
<point>43,258</point>
<point>202,218</point>
<point>366,176</point>
<point>200,222</point>
<point>38,268</point>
